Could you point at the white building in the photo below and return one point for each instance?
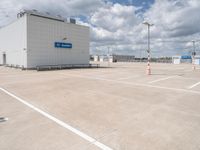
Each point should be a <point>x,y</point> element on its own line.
<point>96,58</point>
<point>176,59</point>
<point>105,58</point>
<point>101,58</point>
<point>36,39</point>
<point>181,59</point>
<point>197,60</point>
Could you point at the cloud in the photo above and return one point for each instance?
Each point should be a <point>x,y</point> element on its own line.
<point>115,17</point>
<point>66,8</point>
<point>113,26</point>
<point>119,26</point>
<point>175,18</point>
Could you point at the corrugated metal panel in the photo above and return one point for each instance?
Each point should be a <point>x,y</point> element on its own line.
<point>42,35</point>
<point>13,43</point>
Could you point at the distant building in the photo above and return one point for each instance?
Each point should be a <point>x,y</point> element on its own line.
<point>181,59</point>
<point>96,58</point>
<point>123,58</point>
<point>114,58</point>
<point>104,58</point>
<point>176,59</point>
<point>197,59</point>
<point>37,39</point>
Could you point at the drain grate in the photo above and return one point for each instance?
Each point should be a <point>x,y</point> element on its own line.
<point>3,119</point>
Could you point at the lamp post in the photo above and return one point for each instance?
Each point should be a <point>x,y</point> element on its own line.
<point>148,71</point>
<point>108,56</point>
<point>193,55</point>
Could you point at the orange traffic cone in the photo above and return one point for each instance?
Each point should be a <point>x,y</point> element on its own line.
<point>148,71</point>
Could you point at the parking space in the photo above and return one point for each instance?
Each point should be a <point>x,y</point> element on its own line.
<point>26,129</point>
<point>120,107</point>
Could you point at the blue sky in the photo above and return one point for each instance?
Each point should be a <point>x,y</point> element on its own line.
<point>144,3</point>
<point>118,23</point>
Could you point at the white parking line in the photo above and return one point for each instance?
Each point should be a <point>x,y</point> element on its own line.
<point>187,78</point>
<point>136,84</point>
<point>60,122</point>
<point>125,78</point>
<point>192,86</point>
<point>189,70</point>
<point>162,79</point>
<point>26,74</point>
<point>179,68</point>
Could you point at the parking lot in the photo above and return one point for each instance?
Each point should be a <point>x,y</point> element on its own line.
<point>119,108</point>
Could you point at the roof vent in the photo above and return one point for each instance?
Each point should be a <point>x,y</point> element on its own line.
<point>21,14</point>
<point>47,13</point>
<point>71,20</point>
<point>59,16</point>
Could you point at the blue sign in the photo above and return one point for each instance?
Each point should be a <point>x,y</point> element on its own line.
<point>62,45</point>
<point>186,57</point>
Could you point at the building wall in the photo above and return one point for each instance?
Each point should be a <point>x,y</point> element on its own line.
<point>43,33</point>
<point>123,58</point>
<point>197,60</point>
<point>96,58</point>
<point>187,61</point>
<point>13,43</point>
<point>176,59</point>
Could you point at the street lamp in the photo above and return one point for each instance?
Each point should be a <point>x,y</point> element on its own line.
<point>108,56</point>
<point>148,71</point>
<point>193,55</point>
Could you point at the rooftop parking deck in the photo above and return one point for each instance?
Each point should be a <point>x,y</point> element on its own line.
<point>117,108</point>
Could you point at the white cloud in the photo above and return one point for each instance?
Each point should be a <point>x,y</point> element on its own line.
<point>65,8</point>
<point>120,26</point>
<point>113,26</point>
<point>115,17</point>
<point>175,18</point>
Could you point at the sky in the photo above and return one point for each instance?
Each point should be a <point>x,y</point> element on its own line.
<point>117,25</point>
